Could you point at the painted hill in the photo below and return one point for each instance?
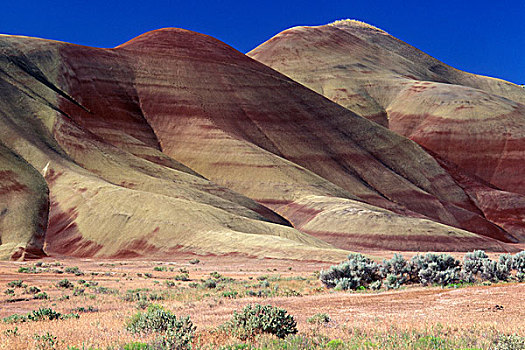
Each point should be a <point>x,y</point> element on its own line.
<point>473,125</point>
<point>175,141</point>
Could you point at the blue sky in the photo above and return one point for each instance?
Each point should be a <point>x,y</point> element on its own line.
<point>484,37</point>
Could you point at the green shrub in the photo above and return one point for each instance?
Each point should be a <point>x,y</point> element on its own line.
<point>30,269</point>
<point>43,314</point>
<point>182,277</point>
<point>64,284</point>
<point>358,271</point>
<point>209,284</point>
<point>174,339</point>
<point>82,309</point>
<point>157,319</point>
<point>216,275</point>
<point>232,294</point>
<point>45,341</point>
<point>194,261</point>
<point>11,332</point>
<point>32,290</point>
<point>104,290</point>
<point>15,318</point>
<point>16,284</point>
<point>257,319</point>
<point>41,296</point>
<point>74,270</point>
<point>169,283</point>
<point>39,315</point>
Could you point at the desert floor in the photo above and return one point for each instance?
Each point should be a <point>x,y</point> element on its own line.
<point>111,289</point>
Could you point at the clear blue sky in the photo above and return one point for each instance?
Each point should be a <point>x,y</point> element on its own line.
<point>485,36</point>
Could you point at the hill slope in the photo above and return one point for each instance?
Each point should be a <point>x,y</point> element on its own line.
<point>175,141</point>
<point>473,124</point>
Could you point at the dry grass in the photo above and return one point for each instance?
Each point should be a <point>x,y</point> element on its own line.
<point>465,313</point>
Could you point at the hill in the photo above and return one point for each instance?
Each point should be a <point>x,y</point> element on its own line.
<point>176,142</point>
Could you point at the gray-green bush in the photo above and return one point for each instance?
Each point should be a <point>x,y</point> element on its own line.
<point>433,268</point>
<point>357,271</point>
<point>257,319</point>
<point>176,333</point>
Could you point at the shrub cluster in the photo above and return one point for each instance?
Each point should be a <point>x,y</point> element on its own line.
<point>360,272</point>
<point>175,333</point>
<point>257,319</point>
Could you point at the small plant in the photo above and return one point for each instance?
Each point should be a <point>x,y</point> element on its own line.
<point>82,309</point>
<point>230,294</point>
<point>11,332</point>
<point>64,284</point>
<point>509,342</point>
<point>39,315</point>
<point>169,283</point>
<point>9,291</point>
<point>45,341</point>
<point>320,318</point>
<point>16,284</point>
<point>41,296</point>
<point>257,319</point>
<point>44,314</point>
<point>104,290</point>
<point>216,275</point>
<point>194,261</point>
<point>143,304</point>
<point>15,318</point>
<point>182,277</point>
<point>32,290</point>
<point>209,284</point>
<point>30,269</point>
<point>160,268</point>
<point>74,270</point>
<point>264,284</point>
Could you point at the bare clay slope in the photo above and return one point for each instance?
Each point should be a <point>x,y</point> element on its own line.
<point>473,124</point>
<point>104,200</point>
<point>127,138</point>
<point>251,129</point>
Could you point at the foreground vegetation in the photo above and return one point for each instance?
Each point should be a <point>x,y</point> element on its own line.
<point>189,305</point>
